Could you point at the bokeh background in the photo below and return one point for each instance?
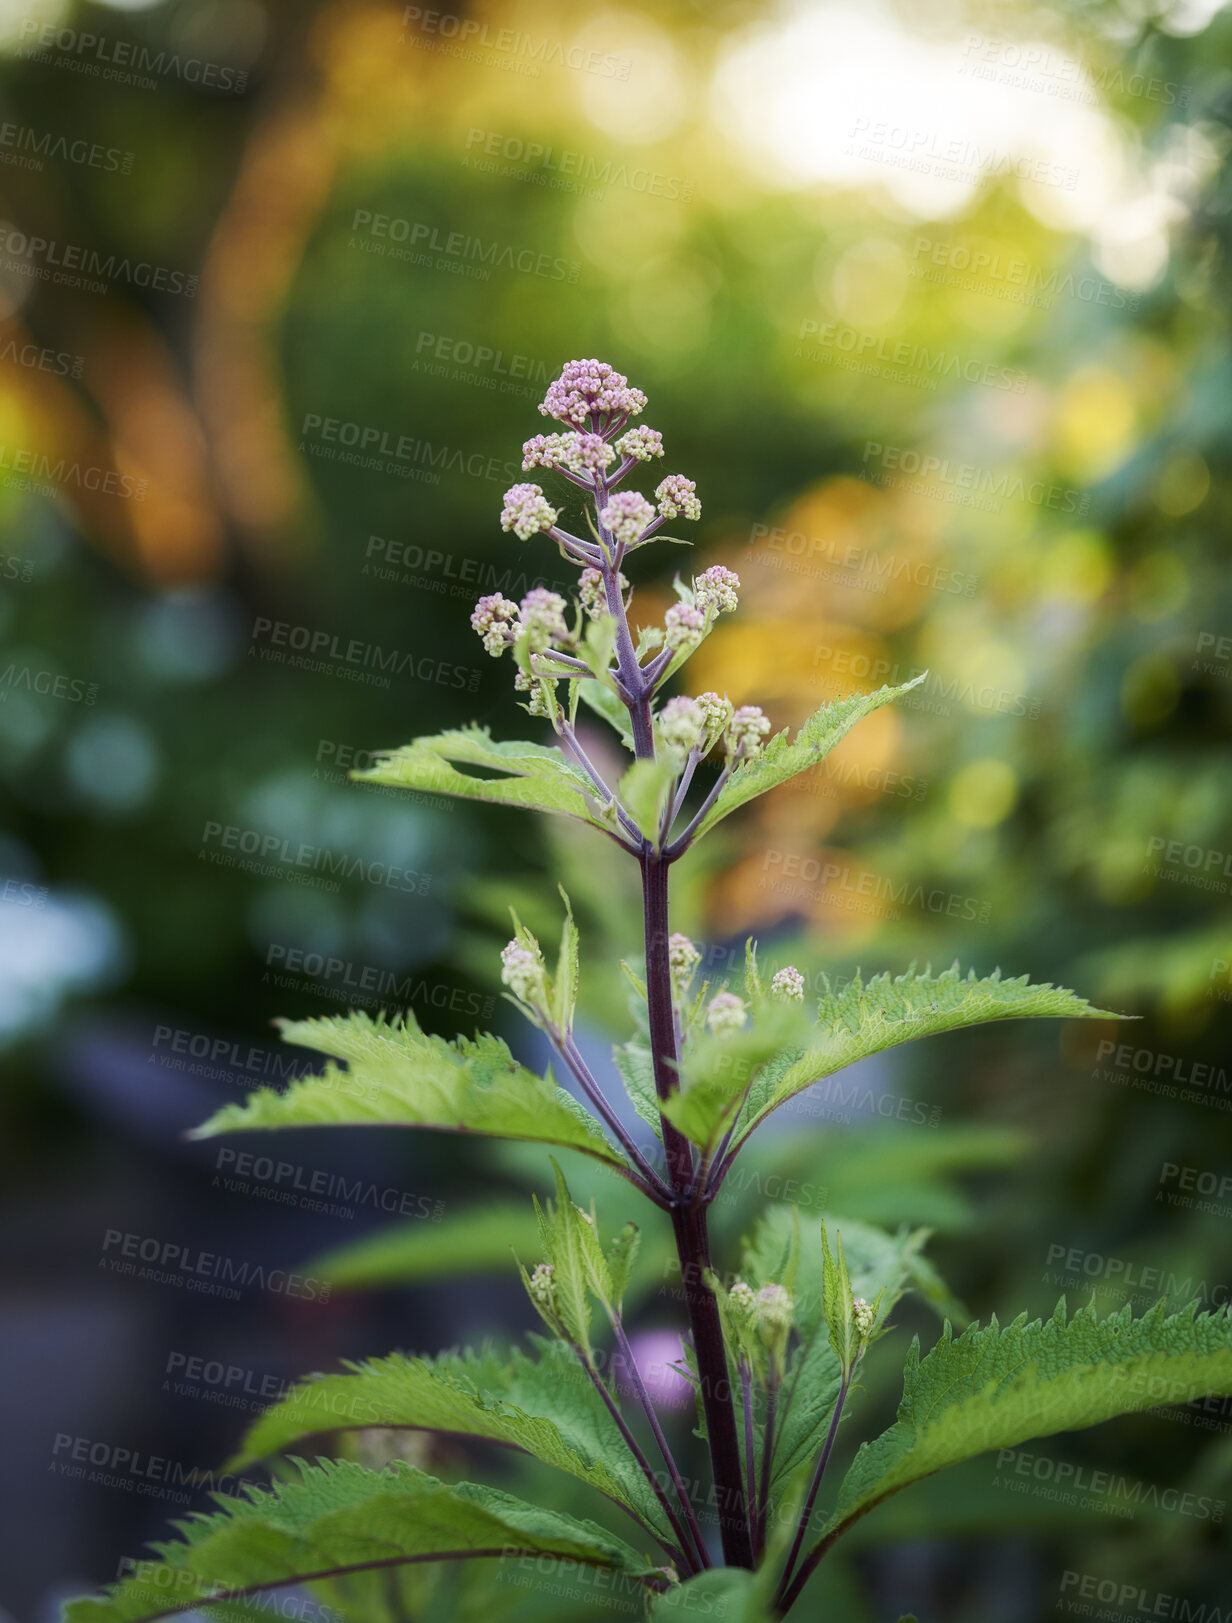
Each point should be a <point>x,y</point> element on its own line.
<point>932,301</point>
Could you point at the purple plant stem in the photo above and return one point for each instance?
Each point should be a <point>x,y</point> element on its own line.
<point>639,1386</point>
<point>790,1588</point>
<point>634,1447</point>
<point>568,1050</point>
<point>750,1454</point>
<point>688,1214</point>
<point>767,1454</point>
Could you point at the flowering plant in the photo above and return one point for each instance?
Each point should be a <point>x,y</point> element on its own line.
<point>774,1346</point>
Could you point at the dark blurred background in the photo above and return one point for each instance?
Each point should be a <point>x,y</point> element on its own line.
<point>933,304</point>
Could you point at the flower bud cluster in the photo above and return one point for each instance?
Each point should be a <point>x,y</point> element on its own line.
<point>745,731</point>
<point>524,973</point>
<point>683,626</point>
<point>683,959</point>
<point>682,723</point>
<point>527,511</point>
<point>592,594</point>
<point>626,517</point>
<point>587,390</point>
<point>640,444</point>
<point>788,984</point>
<point>725,1014</point>
<point>677,496</point>
<point>586,455</point>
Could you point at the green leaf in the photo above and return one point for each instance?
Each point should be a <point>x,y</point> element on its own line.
<point>534,776</point>
<point>730,1593</point>
<point>339,1516</point>
<point>545,1406</point>
<point>836,1298</point>
<point>636,1066</point>
<point>571,1246</point>
<point>864,1018</point>
<point>397,1076</point>
<point>471,1242</point>
<point>644,791</point>
<point>876,1263</point>
<point>609,706</point>
<point>622,1260</point>
<point>784,757</point>
<point>995,1388</point>
<point>565,980</point>
<point>718,1073</point>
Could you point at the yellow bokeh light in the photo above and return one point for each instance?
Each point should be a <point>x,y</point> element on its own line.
<point>984,792</point>
<point>1077,568</point>
<point>1182,484</point>
<point>1095,418</point>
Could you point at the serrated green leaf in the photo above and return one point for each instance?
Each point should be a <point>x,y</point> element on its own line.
<point>994,1388</point>
<point>338,1516</point>
<point>544,1405</point>
<point>398,1076</point>
<point>784,756</point>
<point>536,777</point>
<point>636,1066</point>
<point>868,1017</point>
